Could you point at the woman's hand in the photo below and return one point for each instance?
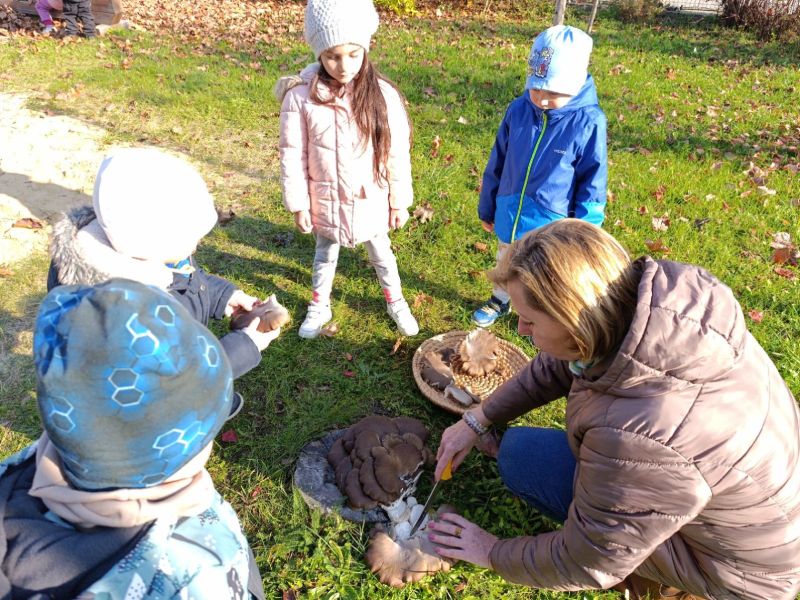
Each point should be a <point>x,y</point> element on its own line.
<point>397,217</point>
<point>488,227</point>
<point>457,441</point>
<point>456,537</point>
<point>240,300</point>
<point>302,220</point>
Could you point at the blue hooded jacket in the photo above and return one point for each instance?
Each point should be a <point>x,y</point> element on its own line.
<point>562,153</point>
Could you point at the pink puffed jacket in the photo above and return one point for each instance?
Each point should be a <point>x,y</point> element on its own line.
<point>326,169</point>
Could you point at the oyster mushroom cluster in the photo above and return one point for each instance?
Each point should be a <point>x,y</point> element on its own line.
<point>378,459</point>
<point>465,372</point>
<point>398,558</point>
<point>271,314</point>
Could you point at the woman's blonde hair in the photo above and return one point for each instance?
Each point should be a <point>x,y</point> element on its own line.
<point>579,275</point>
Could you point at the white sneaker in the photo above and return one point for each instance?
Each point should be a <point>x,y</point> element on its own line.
<point>48,29</point>
<point>316,318</point>
<point>401,313</point>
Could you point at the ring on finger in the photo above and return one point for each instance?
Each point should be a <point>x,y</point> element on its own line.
<point>458,532</point>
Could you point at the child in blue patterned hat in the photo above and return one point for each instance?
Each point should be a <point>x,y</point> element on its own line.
<point>549,157</point>
<point>113,500</point>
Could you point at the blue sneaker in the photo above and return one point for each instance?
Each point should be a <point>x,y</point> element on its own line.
<point>487,314</point>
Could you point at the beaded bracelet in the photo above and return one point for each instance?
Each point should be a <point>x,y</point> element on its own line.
<point>473,423</point>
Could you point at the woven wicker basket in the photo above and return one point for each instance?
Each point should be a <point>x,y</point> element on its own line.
<point>510,361</point>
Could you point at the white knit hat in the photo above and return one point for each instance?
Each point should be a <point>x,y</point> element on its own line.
<point>152,205</point>
<point>332,23</point>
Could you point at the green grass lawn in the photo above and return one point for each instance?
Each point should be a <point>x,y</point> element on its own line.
<point>689,106</point>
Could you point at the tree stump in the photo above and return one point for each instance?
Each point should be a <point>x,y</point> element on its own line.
<point>106,12</point>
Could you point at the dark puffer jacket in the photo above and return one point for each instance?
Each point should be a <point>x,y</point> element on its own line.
<point>688,448</point>
<point>82,254</point>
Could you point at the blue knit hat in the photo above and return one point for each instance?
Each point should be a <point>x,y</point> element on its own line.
<point>559,60</point>
<point>130,386</point>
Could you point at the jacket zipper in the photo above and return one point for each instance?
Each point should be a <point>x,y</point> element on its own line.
<point>527,175</point>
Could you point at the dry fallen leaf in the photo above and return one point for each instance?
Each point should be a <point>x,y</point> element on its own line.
<point>659,193</point>
<point>348,373</point>
<point>756,315</point>
<point>229,436</point>
<point>783,256</point>
<point>657,246</point>
<point>660,223</point>
<point>642,210</point>
<point>420,299</point>
<point>330,330</point>
<point>435,145</point>
<point>28,223</point>
<point>423,213</point>
<point>396,346</point>
<point>781,239</point>
<point>785,273</point>
<point>6,272</point>
<point>225,216</point>
<point>481,247</point>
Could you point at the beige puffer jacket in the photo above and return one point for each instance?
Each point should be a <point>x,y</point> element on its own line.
<point>688,448</point>
<point>326,169</point>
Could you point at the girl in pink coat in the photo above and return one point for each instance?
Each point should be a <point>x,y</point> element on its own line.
<point>345,155</point>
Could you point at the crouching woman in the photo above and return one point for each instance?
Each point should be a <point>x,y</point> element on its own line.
<point>678,475</point>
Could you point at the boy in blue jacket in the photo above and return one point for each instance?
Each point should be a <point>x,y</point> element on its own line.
<point>549,158</point>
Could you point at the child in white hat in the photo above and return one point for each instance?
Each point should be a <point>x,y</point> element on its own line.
<point>150,210</point>
<point>549,157</point>
<point>345,155</point>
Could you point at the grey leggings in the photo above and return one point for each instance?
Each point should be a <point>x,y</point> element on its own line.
<point>380,254</point>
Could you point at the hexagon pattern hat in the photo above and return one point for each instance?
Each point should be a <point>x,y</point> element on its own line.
<point>130,386</point>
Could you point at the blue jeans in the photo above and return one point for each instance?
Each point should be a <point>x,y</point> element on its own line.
<point>537,465</point>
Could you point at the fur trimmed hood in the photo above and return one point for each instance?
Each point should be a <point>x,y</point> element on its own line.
<point>82,254</point>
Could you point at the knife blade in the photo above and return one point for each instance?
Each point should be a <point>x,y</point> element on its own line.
<point>446,474</point>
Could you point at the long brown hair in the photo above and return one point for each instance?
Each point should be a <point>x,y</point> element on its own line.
<point>369,110</point>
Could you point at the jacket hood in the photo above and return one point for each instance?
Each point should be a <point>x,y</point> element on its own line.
<point>284,84</point>
<point>82,254</point>
<point>587,96</point>
<point>680,307</point>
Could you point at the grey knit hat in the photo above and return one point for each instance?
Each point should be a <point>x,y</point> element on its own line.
<point>332,23</point>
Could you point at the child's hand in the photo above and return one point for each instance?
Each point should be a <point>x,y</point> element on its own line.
<point>488,227</point>
<point>302,219</point>
<point>261,340</point>
<point>240,300</point>
<point>397,217</point>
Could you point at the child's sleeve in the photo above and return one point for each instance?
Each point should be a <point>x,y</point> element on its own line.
<point>294,154</point>
<point>401,191</point>
<point>591,177</point>
<point>487,202</point>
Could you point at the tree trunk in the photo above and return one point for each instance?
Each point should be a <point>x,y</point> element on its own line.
<point>561,8</point>
<point>592,16</point>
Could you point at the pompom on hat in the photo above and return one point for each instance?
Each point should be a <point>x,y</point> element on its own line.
<point>130,386</point>
<point>152,205</point>
<point>559,60</point>
<point>332,23</point>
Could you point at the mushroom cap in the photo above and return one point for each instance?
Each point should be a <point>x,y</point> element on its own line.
<point>398,562</point>
<point>271,313</point>
<point>336,453</point>
<point>370,485</point>
<point>411,425</point>
<point>479,352</point>
<point>387,471</point>
<point>355,497</point>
